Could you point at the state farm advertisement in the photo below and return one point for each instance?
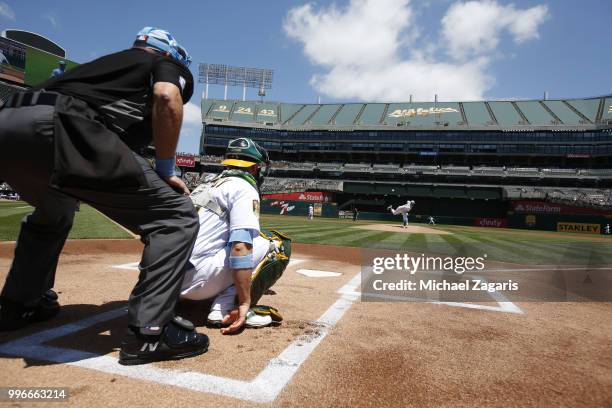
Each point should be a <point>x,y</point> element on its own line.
<point>491,222</point>
<point>185,161</point>
<point>544,207</point>
<point>306,196</point>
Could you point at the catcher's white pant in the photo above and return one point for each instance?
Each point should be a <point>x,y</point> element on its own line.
<point>212,275</point>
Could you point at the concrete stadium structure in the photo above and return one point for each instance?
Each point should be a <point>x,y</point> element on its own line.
<point>563,133</point>
<point>455,158</point>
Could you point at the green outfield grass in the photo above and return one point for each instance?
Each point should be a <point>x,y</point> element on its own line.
<point>506,245</point>
<point>88,223</point>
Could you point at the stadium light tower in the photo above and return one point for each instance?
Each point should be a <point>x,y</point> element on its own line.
<point>226,75</point>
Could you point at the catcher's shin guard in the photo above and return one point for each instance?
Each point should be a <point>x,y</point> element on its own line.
<point>271,268</point>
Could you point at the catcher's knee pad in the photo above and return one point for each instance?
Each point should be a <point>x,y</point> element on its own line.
<point>271,268</point>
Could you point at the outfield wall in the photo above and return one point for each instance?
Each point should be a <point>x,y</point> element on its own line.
<point>298,208</point>
<point>589,224</point>
<point>574,223</point>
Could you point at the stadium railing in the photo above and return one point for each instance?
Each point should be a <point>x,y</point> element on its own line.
<point>461,170</point>
<point>559,172</point>
<point>523,171</point>
<point>6,90</point>
<point>329,166</point>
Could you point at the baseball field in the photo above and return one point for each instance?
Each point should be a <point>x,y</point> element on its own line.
<point>333,347</point>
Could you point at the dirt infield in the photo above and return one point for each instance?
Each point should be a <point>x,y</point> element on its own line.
<point>412,229</point>
<point>331,350</point>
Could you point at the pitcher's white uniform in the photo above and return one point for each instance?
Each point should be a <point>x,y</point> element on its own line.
<point>210,275</point>
<point>403,210</point>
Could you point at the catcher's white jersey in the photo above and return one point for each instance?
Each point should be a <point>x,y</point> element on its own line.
<point>209,273</point>
<point>240,200</point>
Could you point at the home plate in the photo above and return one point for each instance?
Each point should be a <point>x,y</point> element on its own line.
<point>314,273</point>
<point>130,266</point>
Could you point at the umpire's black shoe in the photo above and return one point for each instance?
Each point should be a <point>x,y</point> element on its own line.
<point>177,340</point>
<point>15,315</point>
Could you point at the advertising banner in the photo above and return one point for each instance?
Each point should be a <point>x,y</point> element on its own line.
<point>25,65</point>
<point>491,222</point>
<point>40,64</point>
<point>307,196</point>
<point>346,215</point>
<point>283,207</point>
<point>579,227</point>
<point>545,207</point>
<point>185,161</point>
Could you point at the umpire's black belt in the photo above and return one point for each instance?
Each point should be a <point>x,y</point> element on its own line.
<point>31,98</point>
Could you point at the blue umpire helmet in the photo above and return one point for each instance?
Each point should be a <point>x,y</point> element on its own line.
<point>163,42</point>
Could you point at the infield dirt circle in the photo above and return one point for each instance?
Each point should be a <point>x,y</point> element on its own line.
<point>375,354</point>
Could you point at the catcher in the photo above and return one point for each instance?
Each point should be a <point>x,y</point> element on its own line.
<point>232,258</point>
<point>404,210</point>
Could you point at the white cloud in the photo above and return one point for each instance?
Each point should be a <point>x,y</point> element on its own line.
<point>192,127</point>
<point>396,82</point>
<point>51,18</point>
<point>366,31</point>
<point>6,11</point>
<point>367,49</point>
<point>192,115</point>
<point>475,27</point>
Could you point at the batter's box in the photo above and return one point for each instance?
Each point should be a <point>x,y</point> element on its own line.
<point>264,387</point>
<point>501,302</point>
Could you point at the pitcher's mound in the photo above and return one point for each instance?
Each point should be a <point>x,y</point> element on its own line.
<point>412,229</point>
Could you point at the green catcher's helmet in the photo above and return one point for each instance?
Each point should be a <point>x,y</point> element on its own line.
<point>244,153</point>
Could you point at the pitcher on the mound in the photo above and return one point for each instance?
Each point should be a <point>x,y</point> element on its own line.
<point>403,210</point>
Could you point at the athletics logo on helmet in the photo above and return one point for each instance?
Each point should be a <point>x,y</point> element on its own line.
<point>244,152</point>
<point>162,40</point>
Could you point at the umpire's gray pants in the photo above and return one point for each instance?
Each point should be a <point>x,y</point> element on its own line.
<point>165,220</point>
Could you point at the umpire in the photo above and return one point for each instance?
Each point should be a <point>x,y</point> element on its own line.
<point>75,137</point>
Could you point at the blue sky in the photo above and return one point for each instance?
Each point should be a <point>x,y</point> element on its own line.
<point>355,50</point>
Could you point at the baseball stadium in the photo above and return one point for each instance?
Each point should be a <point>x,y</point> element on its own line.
<point>521,186</point>
<point>466,163</point>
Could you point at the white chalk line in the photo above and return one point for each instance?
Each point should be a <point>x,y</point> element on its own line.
<point>505,305</point>
<point>264,388</point>
<point>316,273</point>
<point>551,269</point>
<point>129,266</point>
<point>133,266</point>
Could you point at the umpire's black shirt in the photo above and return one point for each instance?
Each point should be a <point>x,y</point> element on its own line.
<point>107,116</point>
<point>119,88</point>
